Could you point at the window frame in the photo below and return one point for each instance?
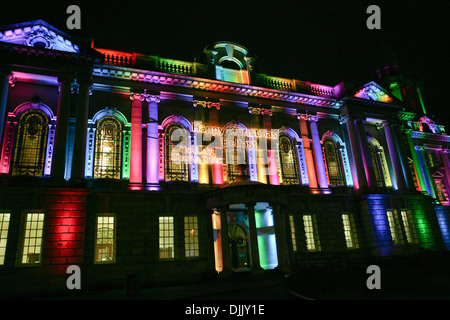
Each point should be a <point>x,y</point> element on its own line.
<point>114,244</point>
<point>23,231</point>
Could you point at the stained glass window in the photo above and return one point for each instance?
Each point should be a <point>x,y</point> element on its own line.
<point>29,155</point>
<point>177,153</point>
<point>287,161</point>
<point>108,148</point>
<point>333,163</point>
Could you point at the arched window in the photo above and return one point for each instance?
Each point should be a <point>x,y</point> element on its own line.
<point>333,163</point>
<point>176,153</point>
<point>235,151</point>
<point>108,148</point>
<point>287,160</point>
<point>377,166</point>
<point>31,146</point>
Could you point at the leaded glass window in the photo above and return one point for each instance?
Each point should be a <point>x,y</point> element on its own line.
<point>29,155</point>
<point>177,153</point>
<point>333,163</point>
<point>108,148</point>
<point>287,161</point>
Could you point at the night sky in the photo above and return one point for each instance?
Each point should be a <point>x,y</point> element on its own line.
<point>319,41</point>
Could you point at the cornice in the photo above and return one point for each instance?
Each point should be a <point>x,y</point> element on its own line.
<point>430,136</point>
<point>146,76</point>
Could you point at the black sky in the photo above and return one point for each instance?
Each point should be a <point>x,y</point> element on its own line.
<point>319,41</point>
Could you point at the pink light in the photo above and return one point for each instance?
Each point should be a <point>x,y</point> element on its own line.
<point>217,173</point>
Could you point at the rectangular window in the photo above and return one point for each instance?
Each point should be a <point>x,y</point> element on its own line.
<point>392,226</point>
<point>408,225</point>
<point>32,238</point>
<point>105,239</point>
<point>4,226</point>
<point>312,241</point>
<point>294,241</point>
<point>350,236</point>
<point>166,238</point>
<point>191,237</point>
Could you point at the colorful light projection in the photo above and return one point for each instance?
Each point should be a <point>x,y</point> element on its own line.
<point>267,243</point>
<point>443,216</point>
<point>372,91</point>
<point>376,204</point>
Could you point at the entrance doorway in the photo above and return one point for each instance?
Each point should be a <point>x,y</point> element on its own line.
<point>239,247</point>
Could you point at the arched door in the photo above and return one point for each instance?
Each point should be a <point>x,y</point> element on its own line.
<point>239,247</point>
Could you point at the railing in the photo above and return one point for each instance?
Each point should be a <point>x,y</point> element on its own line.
<point>175,66</point>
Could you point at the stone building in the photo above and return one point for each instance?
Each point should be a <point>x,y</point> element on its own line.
<point>124,163</point>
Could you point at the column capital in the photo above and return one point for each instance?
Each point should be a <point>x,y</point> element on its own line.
<point>153,98</point>
<point>137,96</point>
<point>206,104</point>
<point>420,148</point>
<point>302,116</point>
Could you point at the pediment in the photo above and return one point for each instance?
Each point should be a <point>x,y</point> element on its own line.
<point>40,34</point>
<point>373,91</point>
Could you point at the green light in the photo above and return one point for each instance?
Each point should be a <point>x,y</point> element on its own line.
<point>266,239</point>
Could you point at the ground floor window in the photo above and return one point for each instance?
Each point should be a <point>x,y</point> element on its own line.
<point>105,239</point>
<point>312,237</point>
<point>4,226</point>
<point>349,231</point>
<point>292,225</point>
<point>166,238</point>
<point>32,238</point>
<point>191,237</point>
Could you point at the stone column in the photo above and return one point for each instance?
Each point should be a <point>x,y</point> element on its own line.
<point>152,143</point>
<point>79,148</point>
<point>62,125</point>
<point>226,263</point>
<point>420,150</point>
<point>395,157</point>
<point>320,163</point>
<point>357,156</point>
<point>446,162</point>
<point>365,152</point>
<point>4,84</point>
<point>281,240</point>
<point>256,266</point>
<point>136,141</point>
<point>308,151</point>
<point>415,159</point>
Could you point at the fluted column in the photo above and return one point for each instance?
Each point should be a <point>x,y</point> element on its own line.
<point>79,148</point>
<point>446,162</point>
<point>415,159</point>
<point>320,163</point>
<point>395,157</point>
<point>152,143</point>
<point>62,125</point>
<point>136,141</point>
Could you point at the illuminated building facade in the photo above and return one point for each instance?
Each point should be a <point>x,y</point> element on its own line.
<point>124,163</point>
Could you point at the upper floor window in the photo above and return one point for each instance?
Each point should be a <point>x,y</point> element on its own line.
<point>108,149</point>
<point>333,163</point>
<point>287,161</point>
<point>31,144</point>
<point>381,171</point>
